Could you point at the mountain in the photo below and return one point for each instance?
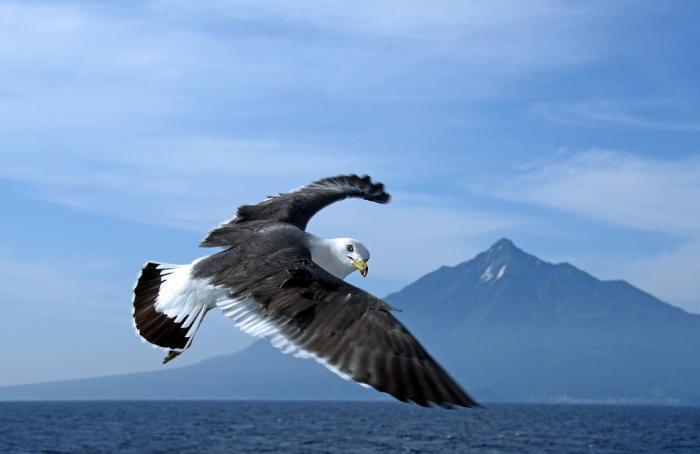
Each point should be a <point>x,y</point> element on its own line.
<point>515,327</point>
<point>506,324</point>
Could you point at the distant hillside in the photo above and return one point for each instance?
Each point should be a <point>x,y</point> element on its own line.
<point>506,324</point>
<point>258,372</point>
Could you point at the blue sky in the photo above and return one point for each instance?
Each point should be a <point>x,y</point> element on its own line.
<point>128,129</point>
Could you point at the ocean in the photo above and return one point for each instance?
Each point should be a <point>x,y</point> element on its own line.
<point>341,427</point>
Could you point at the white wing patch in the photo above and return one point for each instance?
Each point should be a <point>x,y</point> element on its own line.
<point>184,298</point>
<point>244,313</point>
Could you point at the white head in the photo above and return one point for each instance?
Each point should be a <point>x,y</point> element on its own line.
<point>340,256</point>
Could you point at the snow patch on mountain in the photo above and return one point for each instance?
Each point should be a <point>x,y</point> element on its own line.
<point>487,275</point>
<point>501,272</point>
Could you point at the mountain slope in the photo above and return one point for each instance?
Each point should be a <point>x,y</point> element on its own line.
<point>506,324</point>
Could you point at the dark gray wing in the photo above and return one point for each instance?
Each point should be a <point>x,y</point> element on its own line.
<point>308,312</point>
<point>298,206</point>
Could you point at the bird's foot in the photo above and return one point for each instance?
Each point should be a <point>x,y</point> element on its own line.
<point>172,354</point>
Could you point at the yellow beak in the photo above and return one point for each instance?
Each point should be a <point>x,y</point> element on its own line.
<point>361,266</point>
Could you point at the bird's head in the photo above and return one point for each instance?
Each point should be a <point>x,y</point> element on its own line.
<point>351,255</point>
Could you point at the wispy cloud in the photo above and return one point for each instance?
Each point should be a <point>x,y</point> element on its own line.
<point>104,68</point>
<point>172,182</point>
<point>127,112</point>
<point>652,114</point>
<point>505,33</point>
<point>620,188</point>
<point>630,191</point>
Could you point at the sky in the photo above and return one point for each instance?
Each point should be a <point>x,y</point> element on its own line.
<point>128,129</point>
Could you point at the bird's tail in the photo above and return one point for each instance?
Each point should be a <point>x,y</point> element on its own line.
<point>169,306</point>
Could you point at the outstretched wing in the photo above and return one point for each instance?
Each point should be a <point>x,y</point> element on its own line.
<point>308,312</point>
<point>298,206</point>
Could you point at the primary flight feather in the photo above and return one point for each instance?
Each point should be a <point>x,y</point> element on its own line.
<point>277,281</point>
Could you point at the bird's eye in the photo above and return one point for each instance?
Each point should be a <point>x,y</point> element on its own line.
<point>349,248</point>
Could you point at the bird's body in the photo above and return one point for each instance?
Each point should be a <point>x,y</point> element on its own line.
<point>277,281</point>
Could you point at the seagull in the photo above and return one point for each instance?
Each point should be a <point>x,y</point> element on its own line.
<point>277,281</point>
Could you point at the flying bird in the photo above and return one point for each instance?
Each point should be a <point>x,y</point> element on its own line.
<point>279,282</point>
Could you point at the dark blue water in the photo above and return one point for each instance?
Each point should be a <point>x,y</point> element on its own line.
<point>356,427</point>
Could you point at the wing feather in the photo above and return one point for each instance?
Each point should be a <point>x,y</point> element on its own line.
<point>344,328</point>
<point>297,207</point>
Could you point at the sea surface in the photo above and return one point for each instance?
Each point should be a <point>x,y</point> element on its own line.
<point>335,427</point>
